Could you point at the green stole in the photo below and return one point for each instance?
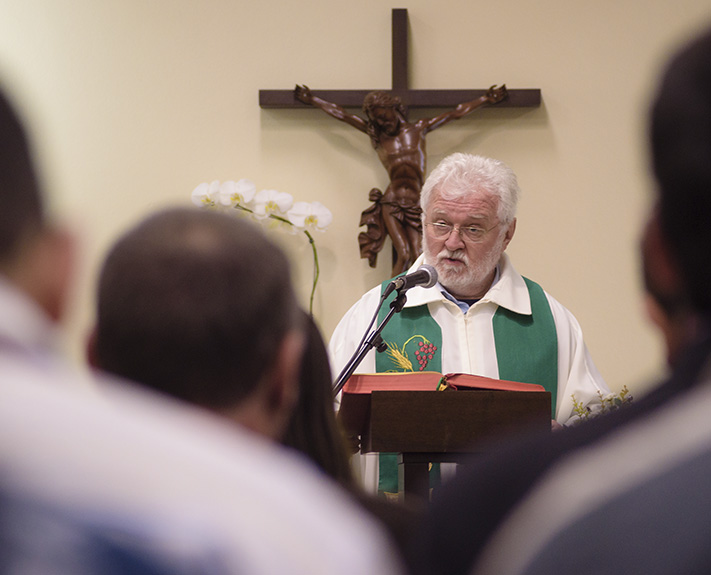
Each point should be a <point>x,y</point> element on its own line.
<point>526,351</point>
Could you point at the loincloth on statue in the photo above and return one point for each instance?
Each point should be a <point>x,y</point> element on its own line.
<point>409,215</point>
<point>371,241</point>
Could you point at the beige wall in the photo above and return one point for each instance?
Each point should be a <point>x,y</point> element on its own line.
<point>134,103</point>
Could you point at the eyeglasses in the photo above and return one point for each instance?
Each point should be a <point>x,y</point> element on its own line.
<point>441,230</point>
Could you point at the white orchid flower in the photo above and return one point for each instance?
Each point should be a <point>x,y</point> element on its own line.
<point>276,209</point>
<point>272,202</point>
<point>206,195</point>
<point>239,193</point>
<point>311,216</point>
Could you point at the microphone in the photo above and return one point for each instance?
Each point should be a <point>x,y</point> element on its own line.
<point>425,276</point>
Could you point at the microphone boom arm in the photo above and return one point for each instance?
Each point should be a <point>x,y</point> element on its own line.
<point>374,340</point>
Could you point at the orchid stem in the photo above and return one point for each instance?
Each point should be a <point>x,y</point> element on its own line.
<point>317,271</point>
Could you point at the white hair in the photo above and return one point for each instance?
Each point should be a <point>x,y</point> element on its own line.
<point>461,174</point>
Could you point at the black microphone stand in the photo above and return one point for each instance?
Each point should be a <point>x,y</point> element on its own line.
<point>374,340</point>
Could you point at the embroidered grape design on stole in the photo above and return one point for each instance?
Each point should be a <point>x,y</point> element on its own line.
<point>424,353</point>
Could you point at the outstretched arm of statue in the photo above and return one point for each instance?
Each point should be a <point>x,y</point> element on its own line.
<point>304,94</point>
<point>493,95</point>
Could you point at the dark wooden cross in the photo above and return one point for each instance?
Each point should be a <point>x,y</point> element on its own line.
<point>529,98</point>
<point>393,212</point>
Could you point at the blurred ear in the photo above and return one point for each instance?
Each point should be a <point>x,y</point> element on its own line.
<point>268,409</point>
<point>662,277</point>
<point>90,350</point>
<point>44,270</point>
<point>665,300</point>
<point>282,385</point>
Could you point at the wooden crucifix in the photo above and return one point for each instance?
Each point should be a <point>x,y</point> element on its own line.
<point>400,144</point>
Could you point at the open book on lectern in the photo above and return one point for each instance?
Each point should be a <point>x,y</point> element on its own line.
<point>483,403</point>
<point>365,383</point>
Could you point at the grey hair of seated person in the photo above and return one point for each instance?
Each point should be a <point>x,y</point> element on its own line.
<point>195,304</point>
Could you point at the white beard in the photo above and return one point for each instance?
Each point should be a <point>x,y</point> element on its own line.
<point>471,280</point>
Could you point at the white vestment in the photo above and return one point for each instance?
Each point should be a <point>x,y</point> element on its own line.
<point>468,344</point>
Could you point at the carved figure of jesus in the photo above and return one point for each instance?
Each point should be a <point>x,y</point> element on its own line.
<point>400,145</point>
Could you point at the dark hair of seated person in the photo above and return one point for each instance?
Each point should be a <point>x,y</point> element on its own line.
<point>313,428</point>
<point>316,431</point>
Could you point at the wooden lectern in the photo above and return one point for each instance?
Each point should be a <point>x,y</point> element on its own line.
<point>439,426</point>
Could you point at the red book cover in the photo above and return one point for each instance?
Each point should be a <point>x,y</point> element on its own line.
<point>364,383</point>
